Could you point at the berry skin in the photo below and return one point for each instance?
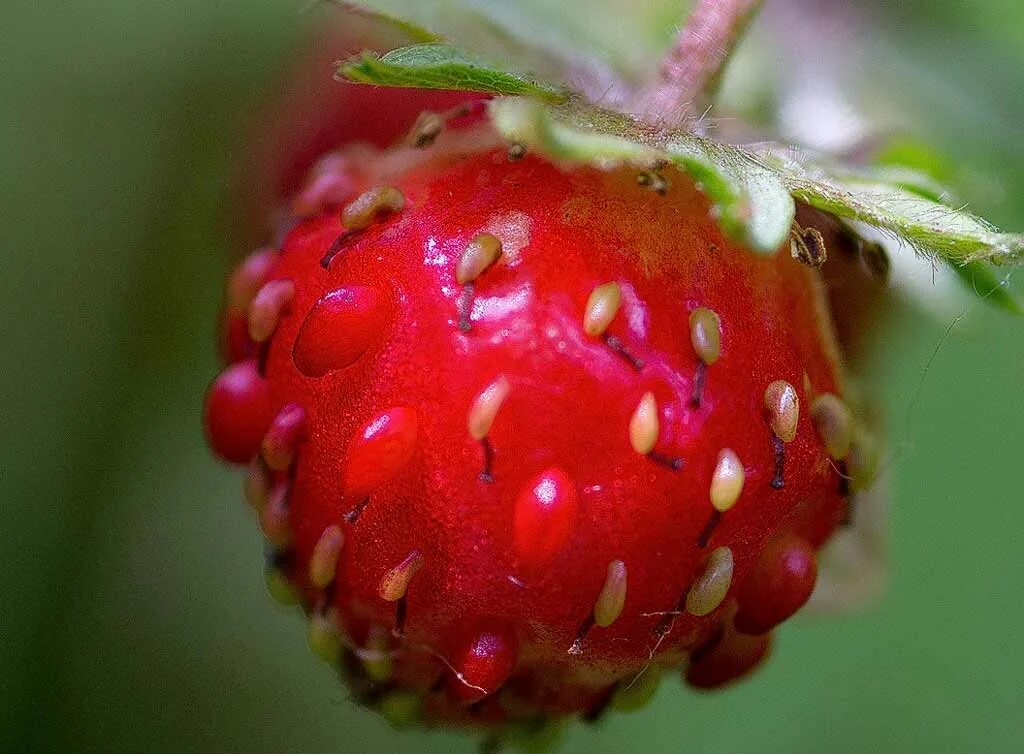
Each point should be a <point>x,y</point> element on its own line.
<point>530,435</point>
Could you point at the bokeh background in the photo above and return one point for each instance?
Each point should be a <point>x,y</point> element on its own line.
<point>132,613</point>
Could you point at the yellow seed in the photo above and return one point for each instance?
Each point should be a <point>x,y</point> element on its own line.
<point>396,581</point>
<point>280,588</point>
<point>483,251</point>
<point>608,606</point>
<point>834,423</point>
<point>706,334</point>
<point>486,406</point>
<point>324,638</point>
<point>370,205</point>
<point>323,564</point>
<point>783,407</point>
<point>710,588</point>
<point>727,481</point>
<point>602,306</point>
<point>643,426</point>
<point>267,307</point>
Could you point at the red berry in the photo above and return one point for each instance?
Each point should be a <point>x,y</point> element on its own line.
<point>778,585</point>
<point>238,412</point>
<point>544,518</point>
<point>534,429</point>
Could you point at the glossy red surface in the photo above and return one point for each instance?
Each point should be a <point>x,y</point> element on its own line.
<point>386,389</point>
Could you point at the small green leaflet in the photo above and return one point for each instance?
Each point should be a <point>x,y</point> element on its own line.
<point>437,66</point>
<point>622,40</point>
<point>907,213</point>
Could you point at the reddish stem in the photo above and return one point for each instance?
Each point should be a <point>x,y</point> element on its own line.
<point>691,68</point>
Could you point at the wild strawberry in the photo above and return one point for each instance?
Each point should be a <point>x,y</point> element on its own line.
<point>523,435</point>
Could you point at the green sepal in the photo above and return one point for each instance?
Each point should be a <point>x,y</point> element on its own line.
<point>438,66</point>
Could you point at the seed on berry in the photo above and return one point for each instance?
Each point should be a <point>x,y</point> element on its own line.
<point>248,278</point>
<point>602,306</point>
<point>284,436</point>
<point>727,480</point>
<point>426,129</point>
<point>783,409</point>
<point>486,406</point>
<point>643,426</point>
<point>712,585</point>
<point>323,564</point>
<point>366,208</point>
<point>612,598</point>
<point>268,306</point>
<point>482,252</point>
<point>706,339</point>
<point>395,583</point>
<point>705,334</point>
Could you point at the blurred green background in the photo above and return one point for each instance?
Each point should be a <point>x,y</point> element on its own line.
<point>132,613</point>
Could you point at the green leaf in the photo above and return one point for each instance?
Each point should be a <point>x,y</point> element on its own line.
<point>749,200</point>
<point>911,215</point>
<point>436,66</point>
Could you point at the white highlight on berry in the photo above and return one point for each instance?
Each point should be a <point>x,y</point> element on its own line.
<point>486,406</point>
<point>643,426</point>
<point>727,480</point>
<point>323,563</point>
<point>602,306</point>
<point>712,585</point>
<point>609,603</point>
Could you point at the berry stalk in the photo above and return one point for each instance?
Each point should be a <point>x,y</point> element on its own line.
<point>691,69</point>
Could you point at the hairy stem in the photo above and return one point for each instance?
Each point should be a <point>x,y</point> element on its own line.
<point>690,70</point>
